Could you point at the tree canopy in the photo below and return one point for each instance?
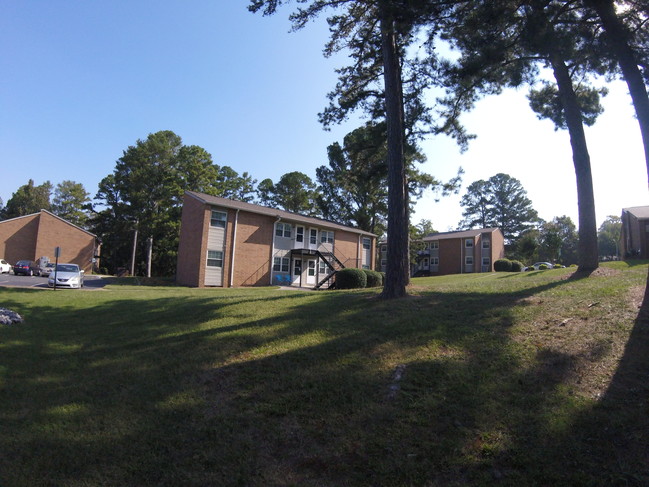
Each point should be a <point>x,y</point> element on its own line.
<point>28,199</point>
<point>70,202</point>
<point>295,191</point>
<point>144,194</point>
<point>500,202</point>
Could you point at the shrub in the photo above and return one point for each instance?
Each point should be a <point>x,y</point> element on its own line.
<point>503,265</point>
<point>374,279</point>
<point>351,278</point>
<point>517,266</point>
<point>557,266</point>
<point>543,267</point>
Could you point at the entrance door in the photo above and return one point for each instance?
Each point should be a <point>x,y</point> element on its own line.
<point>313,239</point>
<point>311,272</point>
<point>296,275</point>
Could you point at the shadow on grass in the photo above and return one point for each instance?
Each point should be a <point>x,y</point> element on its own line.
<point>285,388</point>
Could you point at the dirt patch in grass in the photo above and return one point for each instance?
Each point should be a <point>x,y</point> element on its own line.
<point>599,272</point>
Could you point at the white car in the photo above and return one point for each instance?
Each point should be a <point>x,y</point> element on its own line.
<point>5,267</point>
<point>537,266</point>
<point>66,275</point>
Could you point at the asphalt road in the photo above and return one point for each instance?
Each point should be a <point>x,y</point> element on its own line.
<point>90,282</point>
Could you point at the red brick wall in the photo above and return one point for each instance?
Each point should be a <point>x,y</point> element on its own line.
<point>194,223</point>
<point>497,247</point>
<point>18,238</point>
<point>451,256</point>
<point>36,236</point>
<point>346,248</point>
<point>77,246</point>
<point>253,259</point>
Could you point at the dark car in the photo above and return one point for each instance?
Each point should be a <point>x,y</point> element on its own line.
<point>26,268</point>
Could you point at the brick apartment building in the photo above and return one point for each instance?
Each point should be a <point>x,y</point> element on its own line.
<point>634,239</point>
<point>230,243</point>
<point>462,252</point>
<point>31,237</point>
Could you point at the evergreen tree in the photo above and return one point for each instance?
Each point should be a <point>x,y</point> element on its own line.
<point>70,202</point>
<point>500,202</point>
<point>505,43</point>
<point>352,189</point>
<point>608,236</point>
<point>386,83</point>
<point>295,192</point>
<point>28,199</point>
<point>144,194</point>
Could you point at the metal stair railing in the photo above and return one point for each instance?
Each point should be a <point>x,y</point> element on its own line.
<point>330,259</point>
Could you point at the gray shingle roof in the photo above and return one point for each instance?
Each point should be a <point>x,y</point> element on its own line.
<point>638,211</point>
<point>273,212</point>
<point>460,234</point>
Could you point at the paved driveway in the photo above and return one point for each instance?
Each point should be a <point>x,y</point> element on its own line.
<point>90,282</point>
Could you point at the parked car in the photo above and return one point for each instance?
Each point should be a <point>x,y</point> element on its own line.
<point>536,266</point>
<point>66,275</point>
<point>5,267</point>
<point>26,268</point>
<point>47,269</point>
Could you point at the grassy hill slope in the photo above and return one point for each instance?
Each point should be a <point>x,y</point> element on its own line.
<point>488,379</point>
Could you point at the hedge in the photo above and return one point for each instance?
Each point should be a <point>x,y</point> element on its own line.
<point>517,266</point>
<point>351,278</point>
<point>503,265</point>
<point>374,279</point>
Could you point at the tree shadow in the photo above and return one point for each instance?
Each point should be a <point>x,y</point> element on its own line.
<point>284,388</point>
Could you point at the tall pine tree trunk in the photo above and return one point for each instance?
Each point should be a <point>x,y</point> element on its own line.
<point>618,41</point>
<point>588,258</point>
<point>397,275</point>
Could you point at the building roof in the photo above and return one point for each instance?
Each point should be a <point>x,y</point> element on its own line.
<point>273,212</point>
<point>638,211</point>
<point>52,215</point>
<point>460,234</point>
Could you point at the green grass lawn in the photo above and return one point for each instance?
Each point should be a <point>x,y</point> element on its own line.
<point>490,379</point>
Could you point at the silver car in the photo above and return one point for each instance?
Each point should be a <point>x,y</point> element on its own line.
<point>66,275</point>
<point>47,269</point>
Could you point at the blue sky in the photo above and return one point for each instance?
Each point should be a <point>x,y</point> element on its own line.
<point>82,81</point>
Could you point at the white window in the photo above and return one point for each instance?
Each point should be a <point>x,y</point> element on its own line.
<point>367,243</point>
<point>468,260</point>
<point>218,219</point>
<point>384,248</point>
<point>313,236</point>
<point>434,245</point>
<point>283,230</point>
<point>434,261</point>
<point>384,263</point>
<point>297,267</point>
<point>280,264</point>
<point>214,258</point>
<point>311,268</point>
<point>324,269</point>
<point>486,243</point>
<point>486,262</point>
<point>468,243</point>
<point>425,262</point>
<point>299,234</point>
<point>326,236</point>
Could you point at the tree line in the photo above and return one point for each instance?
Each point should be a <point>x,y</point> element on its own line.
<point>140,202</point>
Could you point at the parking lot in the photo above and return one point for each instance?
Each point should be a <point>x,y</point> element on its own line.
<point>90,282</point>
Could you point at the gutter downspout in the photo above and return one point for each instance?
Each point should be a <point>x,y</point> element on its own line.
<point>272,250</point>
<point>359,255</point>
<point>461,256</point>
<point>234,247</point>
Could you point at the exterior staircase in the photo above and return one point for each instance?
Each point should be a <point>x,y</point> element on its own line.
<point>334,265</point>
